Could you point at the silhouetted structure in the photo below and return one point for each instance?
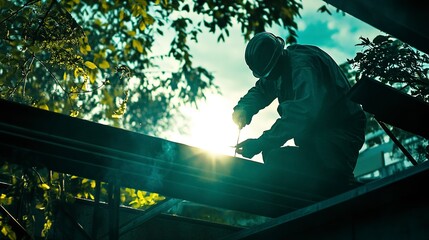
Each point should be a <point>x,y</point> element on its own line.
<point>395,207</point>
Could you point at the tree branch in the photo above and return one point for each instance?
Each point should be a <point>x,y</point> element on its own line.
<point>43,19</point>
<point>18,10</point>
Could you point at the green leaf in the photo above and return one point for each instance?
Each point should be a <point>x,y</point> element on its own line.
<point>104,64</point>
<point>90,65</point>
<point>44,186</point>
<point>131,33</point>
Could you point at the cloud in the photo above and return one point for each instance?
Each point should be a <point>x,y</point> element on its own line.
<point>337,34</point>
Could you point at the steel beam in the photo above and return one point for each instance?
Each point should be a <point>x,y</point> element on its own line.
<point>75,146</point>
<point>148,215</point>
<point>403,19</point>
<point>392,106</point>
<point>395,207</point>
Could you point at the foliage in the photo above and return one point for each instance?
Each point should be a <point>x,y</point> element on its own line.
<point>395,63</point>
<point>37,191</point>
<point>96,60</point>
<point>55,51</point>
<point>326,9</point>
<point>33,194</point>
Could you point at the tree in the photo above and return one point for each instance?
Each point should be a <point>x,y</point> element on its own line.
<point>397,64</point>
<point>50,58</point>
<point>94,60</point>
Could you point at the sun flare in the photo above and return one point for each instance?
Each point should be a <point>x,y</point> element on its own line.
<point>212,129</point>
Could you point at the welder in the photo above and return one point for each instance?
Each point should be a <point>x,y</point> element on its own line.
<point>327,128</point>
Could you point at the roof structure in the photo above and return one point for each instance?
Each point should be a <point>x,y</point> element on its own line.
<point>128,159</point>
<point>289,202</point>
<point>403,19</point>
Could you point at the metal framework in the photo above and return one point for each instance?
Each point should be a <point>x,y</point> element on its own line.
<point>403,19</point>
<point>122,158</point>
<point>128,159</point>
<point>391,208</point>
<point>40,138</point>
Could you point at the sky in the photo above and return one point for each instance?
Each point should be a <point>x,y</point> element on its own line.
<point>211,126</point>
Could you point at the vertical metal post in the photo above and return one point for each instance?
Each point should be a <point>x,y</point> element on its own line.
<point>396,141</point>
<point>114,196</point>
<point>96,210</point>
<point>238,141</point>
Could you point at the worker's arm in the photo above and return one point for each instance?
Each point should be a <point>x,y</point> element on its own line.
<point>258,97</point>
<point>299,113</point>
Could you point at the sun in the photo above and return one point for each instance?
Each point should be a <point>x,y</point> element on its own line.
<point>212,128</point>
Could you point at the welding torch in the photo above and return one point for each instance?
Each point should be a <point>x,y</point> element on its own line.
<point>239,117</point>
<point>238,140</point>
<point>240,126</point>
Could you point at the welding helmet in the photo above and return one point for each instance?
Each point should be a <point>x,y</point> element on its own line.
<point>263,52</point>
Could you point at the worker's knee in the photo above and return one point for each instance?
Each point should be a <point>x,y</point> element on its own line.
<point>289,157</point>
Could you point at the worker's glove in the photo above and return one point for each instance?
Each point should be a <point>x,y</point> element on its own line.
<point>250,147</point>
<point>239,116</point>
